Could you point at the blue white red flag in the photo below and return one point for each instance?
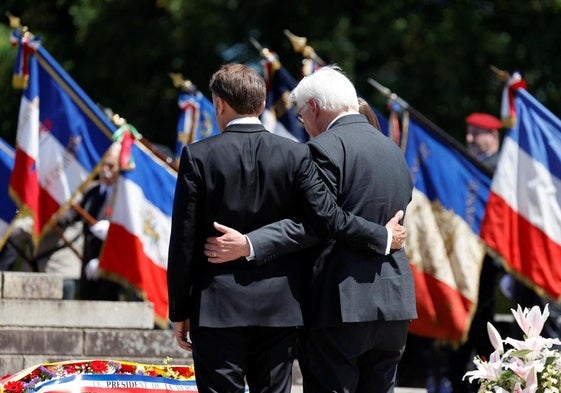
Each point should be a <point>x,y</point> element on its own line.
<point>136,247</point>
<point>443,222</point>
<point>61,137</point>
<point>523,218</point>
<point>7,207</point>
<point>196,121</point>
<point>279,116</point>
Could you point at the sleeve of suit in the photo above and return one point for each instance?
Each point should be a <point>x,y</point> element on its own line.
<point>325,218</point>
<point>183,233</point>
<point>280,238</point>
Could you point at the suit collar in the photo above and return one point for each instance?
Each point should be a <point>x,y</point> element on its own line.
<point>348,119</point>
<point>245,128</point>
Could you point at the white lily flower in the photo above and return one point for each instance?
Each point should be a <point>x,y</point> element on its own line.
<point>495,337</point>
<point>531,321</point>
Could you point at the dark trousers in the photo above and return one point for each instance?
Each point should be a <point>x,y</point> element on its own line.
<point>225,358</point>
<point>352,357</point>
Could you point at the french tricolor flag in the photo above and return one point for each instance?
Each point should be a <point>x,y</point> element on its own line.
<point>60,139</point>
<point>24,180</point>
<point>136,248</point>
<point>523,217</point>
<point>443,221</point>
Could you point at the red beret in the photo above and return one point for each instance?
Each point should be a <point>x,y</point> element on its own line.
<point>484,121</point>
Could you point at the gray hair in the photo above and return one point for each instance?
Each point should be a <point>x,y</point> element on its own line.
<point>329,87</point>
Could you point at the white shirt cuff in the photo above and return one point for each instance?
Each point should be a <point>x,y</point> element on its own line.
<point>389,243</point>
<point>251,255</point>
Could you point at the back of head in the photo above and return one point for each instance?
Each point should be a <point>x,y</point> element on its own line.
<point>241,87</point>
<point>332,90</point>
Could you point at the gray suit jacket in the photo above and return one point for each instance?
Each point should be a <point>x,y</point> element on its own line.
<point>369,177</point>
<point>246,178</point>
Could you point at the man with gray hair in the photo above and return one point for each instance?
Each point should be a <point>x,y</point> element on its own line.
<point>359,304</point>
<point>241,320</point>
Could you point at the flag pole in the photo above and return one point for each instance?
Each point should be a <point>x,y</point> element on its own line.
<point>256,44</point>
<point>265,53</point>
<point>59,231</point>
<point>386,92</point>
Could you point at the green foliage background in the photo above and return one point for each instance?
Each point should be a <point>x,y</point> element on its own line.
<point>435,54</point>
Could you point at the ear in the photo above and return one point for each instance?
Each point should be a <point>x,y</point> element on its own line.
<point>219,105</point>
<point>314,107</point>
<point>262,108</point>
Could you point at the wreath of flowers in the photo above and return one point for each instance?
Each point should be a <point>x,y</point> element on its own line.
<point>27,380</point>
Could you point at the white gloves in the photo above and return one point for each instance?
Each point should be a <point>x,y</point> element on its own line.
<point>100,229</point>
<point>92,269</point>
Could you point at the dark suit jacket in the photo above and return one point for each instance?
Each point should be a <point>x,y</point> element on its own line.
<point>246,178</point>
<point>370,178</point>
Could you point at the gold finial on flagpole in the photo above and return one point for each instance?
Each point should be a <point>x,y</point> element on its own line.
<point>181,83</point>
<point>118,120</point>
<point>502,75</point>
<point>15,22</point>
<point>299,46</point>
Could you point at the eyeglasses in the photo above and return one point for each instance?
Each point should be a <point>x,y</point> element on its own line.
<point>299,114</point>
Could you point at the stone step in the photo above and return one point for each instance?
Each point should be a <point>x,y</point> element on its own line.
<point>26,285</point>
<point>76,314</point>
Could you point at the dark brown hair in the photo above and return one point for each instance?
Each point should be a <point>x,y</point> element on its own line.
<point>241,87</point>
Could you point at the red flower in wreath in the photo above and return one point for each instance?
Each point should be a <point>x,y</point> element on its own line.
<point>98,367</point>
<point>127,369</point>
<point>14,387</point>
<point>185,372</point>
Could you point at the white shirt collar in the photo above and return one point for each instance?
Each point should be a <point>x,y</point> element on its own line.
<point>245,120</point>
<point>339,116</point>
